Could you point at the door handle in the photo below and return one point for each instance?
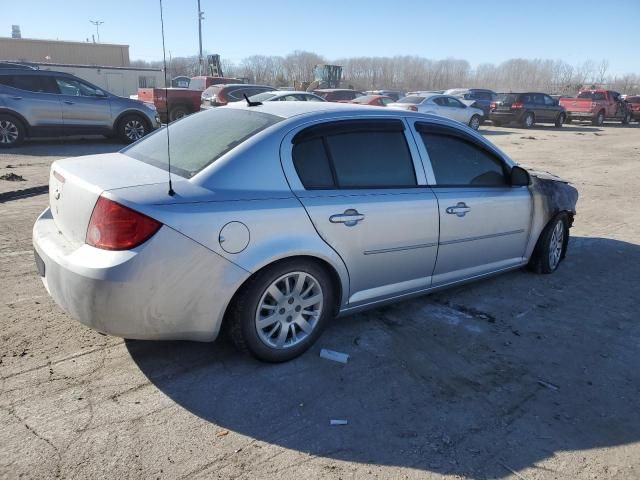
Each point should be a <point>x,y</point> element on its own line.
<point>350,217</point>
<point>68,102</point>
<point>16,98</point>
<point>460,209</point>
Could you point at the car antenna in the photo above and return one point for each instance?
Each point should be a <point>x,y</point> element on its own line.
<point>250,103</point>
<point>164,61</point>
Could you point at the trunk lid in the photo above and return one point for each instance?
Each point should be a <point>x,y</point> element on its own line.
<point>76,183</point>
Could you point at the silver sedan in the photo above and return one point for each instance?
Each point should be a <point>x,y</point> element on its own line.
<point>291,214</point>
<point>442,105</point>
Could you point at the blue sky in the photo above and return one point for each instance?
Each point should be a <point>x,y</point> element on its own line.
<point>479,31</point>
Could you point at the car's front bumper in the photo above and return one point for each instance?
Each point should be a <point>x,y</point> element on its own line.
<point>169,288</point>
<point>576,115</point>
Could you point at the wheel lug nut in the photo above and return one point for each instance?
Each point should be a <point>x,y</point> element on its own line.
<point>298,308</point>
<point>281,311</point>
<point>289,318</point>
<point>291,301</point>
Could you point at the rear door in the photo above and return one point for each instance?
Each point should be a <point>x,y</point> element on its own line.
<point>363,187</point>
<point>35,97</point>
<point>484,222</point>
<point>84,107</point>
<point>541,109</point>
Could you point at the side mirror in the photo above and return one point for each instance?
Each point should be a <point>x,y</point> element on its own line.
<point>519,177</point>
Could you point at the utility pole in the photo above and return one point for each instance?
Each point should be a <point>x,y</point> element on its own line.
<point>97,23</point>
<point>200,18</point>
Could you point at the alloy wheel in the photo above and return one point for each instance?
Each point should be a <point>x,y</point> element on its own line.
<point>289,310</point>
<point>475,122</point>
<point>528,120</point>
<point>556,245</point>
<point>134,129</point>
<point>8,132</point>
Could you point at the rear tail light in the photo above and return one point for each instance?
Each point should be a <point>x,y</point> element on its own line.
<point>219,98</point>
<point>594,104</point>
<point>413,108</point>
<point>493,105</point>
<point>517,106</point>
<point>116,227</point>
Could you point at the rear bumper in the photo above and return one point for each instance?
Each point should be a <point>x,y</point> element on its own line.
<point>169,288</point>
<point>505,117</point>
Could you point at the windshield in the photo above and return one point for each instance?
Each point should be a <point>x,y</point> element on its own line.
<point>199,140</point>
<point>508,98</point>
<point>411,99</point>
<point>262,97</point>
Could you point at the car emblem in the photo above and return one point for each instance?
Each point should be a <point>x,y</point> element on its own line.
<point>56,194</point>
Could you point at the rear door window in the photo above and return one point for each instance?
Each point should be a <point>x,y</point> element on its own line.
<point>458,162</point>
<point>34,83</point>
<point>355,157</point>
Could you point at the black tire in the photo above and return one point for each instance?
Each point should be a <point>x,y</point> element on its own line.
<point>540,261</point>
<point>475,122</point>
<point>626,119</point>
<point>12,131</point>
<point>568,120</point>
<point>598,120</point>
<point>240,319</point>
<point>529,120</point>
<point>177,112</point>
<point>132,128</point>
<point>496,123</point>
<point>560,120</point>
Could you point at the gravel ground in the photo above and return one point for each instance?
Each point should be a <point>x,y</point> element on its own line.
<point>521,376</point>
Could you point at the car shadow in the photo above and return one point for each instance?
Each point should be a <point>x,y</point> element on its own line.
<point>73,146</point>
<point>475,381</point>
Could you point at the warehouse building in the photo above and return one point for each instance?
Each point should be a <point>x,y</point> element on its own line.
<point>103,64</point>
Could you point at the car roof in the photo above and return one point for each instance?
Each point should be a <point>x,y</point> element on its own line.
<point>335,90</point>
<point>290,92</point>
<point>27,71</point>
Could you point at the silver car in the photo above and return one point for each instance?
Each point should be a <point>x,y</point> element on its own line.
<point>286,96</point>
<point>291,214</point>
<point>37,103</point>
<point>442,105</point>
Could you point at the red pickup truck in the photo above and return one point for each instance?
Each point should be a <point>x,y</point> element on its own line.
<point>597,106</point>
<point>175,103</point>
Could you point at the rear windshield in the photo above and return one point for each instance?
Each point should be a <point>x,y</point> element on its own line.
<point>508,98</point>
<point>262,97</point>
<point>196,84</point>
<point>585,95</point>
<point>199,140</point>
<point>411,99</point>
<point>364,99</point>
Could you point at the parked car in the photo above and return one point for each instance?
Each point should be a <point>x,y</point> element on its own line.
<point>337,94</point>
<point>597,106</point>
<point>220,95</point>
<point>286,96</point>
<point>296,213</point>
<point>395,95</point>
<point>443,105</point>
<point>482,97</point>
<point>374,100</point>
<point>37,103</point>
<point>526,109</point>
<point>175,103</point>
<point>424,93</point>
<point>634,106</point>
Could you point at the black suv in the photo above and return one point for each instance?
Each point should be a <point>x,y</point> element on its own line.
<point>526,109</point>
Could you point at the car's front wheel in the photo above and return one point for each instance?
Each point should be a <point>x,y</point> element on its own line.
<point>12,132</point>
<point>560,120</point>
<point>132,128</point>
<point>475,122</point>
<point>552,246</point>
<point>281,311</point>
<point>599,120</point>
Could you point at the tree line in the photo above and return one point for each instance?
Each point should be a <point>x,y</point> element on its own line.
<point>417,73</point>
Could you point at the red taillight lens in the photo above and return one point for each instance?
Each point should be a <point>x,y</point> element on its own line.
<point>221,99</point>
<point>517,106</point>
<point>413,108</point>
<point>116,227</point>
<point>493,105</point>
<point>594,104</point>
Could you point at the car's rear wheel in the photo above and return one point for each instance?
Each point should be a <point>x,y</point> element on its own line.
<point>529,120</point>
<point>281,311</point>
<point>560,120</point>
<point>552,246</point>
<point>496,123</point>
<point>599,120</point>
<point>132,128</point>
<point>178,112</point>
<point>626,119</point>
<point>475,122</point>
<point>12,131</point>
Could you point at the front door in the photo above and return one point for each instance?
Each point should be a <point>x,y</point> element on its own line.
<point>484,221</point>
<point>363,188</point>
<point>84,107</point>
<point>36,98</point>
